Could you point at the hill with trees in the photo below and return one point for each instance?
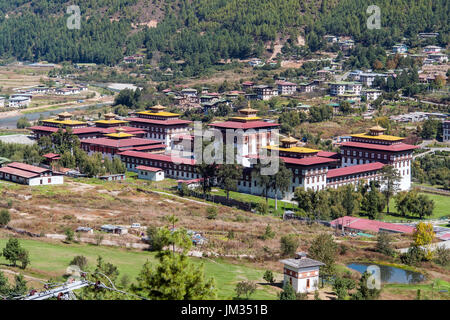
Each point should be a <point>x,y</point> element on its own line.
<point>193,35</point>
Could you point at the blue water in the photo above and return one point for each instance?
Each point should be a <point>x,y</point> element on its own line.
<point>391,274</point>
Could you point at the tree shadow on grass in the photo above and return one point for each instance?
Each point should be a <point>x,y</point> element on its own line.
<point>275,284</point>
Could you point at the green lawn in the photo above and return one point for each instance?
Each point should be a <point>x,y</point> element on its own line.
<point>441,208</point>
<point>256,199</point>
<point>439,289</point>
<point>52,259</point>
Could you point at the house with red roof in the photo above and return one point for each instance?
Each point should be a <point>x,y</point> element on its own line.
<point>150,173</point>
<point>355,224</point>
<point>30,175</point>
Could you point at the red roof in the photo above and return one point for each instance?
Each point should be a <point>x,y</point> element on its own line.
<point>18,172</point>
<point>120,143</point>
<point>359,168</point>
<point>308,161</point>
<point>152,169</point>
<point>190,181</point>
<point>158,157</point>
<point>393,147</point>
<point>243,125</point>
<point>326,154</point>
<point>51,155</point>
<point>286,83</point>
<point>371,225</point>
<point>150,147</point>
<point>43,128</point>
<point>27,167</point>
<point>160,122</point>
<point>86,130</point>
<point>248,83</point>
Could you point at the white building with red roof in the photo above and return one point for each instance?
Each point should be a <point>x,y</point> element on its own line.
<point>376,146</point>
<point>286,87</point>
<point>29,175</point>
<point>150,173</point>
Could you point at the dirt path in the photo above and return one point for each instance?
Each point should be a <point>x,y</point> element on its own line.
<point>24,275</point>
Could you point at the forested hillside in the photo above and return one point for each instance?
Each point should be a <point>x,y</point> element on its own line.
<point>201,32</point>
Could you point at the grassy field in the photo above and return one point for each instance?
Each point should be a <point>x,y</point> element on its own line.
<point>50,259</point>
<point>438,290</point>
<point>441,208</point>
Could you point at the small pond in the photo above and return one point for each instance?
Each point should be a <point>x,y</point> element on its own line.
<point>390,274</point>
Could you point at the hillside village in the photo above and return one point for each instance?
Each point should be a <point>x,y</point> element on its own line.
<point>151,155</point>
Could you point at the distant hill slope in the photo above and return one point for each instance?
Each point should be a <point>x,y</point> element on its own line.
<point>200,32</point>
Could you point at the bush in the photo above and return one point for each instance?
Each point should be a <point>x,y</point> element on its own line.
<point>80,261</point>
<point>288,292</point>
<point>268,276</point>
<point>262,208</point>
<point>288,245</point>
<point>384,245</point>
<point>23,123</point>
<point>212,212</point>
<point>442,256</point>
<point>69,234</point>
<point>4,217</point>
<point>343,249</point>
<point>268,233</point>
<point>413,256</point>
<point>246,288</point>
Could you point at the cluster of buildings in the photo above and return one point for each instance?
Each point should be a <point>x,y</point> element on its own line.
<point>146,144</point>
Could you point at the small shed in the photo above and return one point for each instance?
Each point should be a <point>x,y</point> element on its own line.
<point>150,173</point>
<point>302,273</point>
<point>113,177</point>
<point>85,230</point>
<point>114,229</point>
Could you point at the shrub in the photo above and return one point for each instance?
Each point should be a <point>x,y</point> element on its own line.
<point>268,276</point>
<point>288,292</point>
<point>4,217</point>
<point>69,234</point>
<point>246,288</point>
<point>80,261</point>
<point>442,256</point>
<point>212,212</point>
<point>268,233</point>
<point>262,208</point>
<point>384,244</point>
<point>413,256</point>
<point>288,244</point>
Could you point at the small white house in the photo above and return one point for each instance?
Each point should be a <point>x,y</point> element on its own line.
<point>150,173</point>
<point>17,102</point>
<point>302,273</point>
<point>29,175</point>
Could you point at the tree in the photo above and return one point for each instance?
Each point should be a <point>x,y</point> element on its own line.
<point>208,172</point>
<point>341,287</point>
<point>268,233</point>
<point>384,244</point>
<point>12,250</point>
<point>69,234</point>
<point>423,236</point>
<point>391,179</point>
<point>288,244</point>
<point>263,181</point>
<point>373,201</point>
<point>80,261</point>
<point>281,181</point>
<point>228,176</point>
<point>363,292</point>
<point>268,276</point>
<point>350,200</point>
<point>324,249</point>
<point>24,258</point>
<point>175,277</point>
<point>422,206</point>
<point>23,123</point>
<point>442,256</point>
<point>288,292</point>
<point>246,288</point>
<point>4,217</point>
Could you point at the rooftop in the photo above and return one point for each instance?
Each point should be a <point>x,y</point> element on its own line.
<point>243,125</point>
<point>302,263</point>
<point>371,225</point>
<point>158,157</point>
<point>360,168</point>
<point>120,143</point>
<point>393,147</point>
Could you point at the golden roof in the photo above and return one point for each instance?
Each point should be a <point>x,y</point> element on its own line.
<point>289,140</point>
<point>377,128</point>
<point>159,114</point>
<point>293,149</point>
<point>379,137</point>
<point>65,122</point>
<point>119,135</point>
<point>158,107</point>
<point>110,115</point>
<point>64,115</point>
<point>112,121</point>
